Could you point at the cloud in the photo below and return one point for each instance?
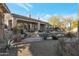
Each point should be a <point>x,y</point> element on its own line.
<point>74,16</point>
<point>25,6</point>
<point>45,17</point>
<point>28,5</point>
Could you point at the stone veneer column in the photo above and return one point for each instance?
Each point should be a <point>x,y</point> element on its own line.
<point>14,22</point>
<point>1,27</point>
<point>30,26</point>
<point>46,26</point>
<point>38,25</point>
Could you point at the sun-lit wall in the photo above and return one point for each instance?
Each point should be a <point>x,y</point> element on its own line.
<point>7,18</point>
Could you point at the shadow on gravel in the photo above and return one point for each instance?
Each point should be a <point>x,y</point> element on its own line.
<point>11,52</point>
<point>41,48</point>
<point>45,48</point>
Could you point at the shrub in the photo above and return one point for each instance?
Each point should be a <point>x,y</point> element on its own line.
<point>70,35</point>
<point>16,29</point>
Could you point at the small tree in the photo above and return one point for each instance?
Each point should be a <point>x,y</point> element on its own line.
<point>54,21</point>
<point>74,24</point>
<point>17,30</point>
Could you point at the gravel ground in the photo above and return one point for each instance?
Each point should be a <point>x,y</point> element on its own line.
<point>32,39</point>
<point>40,48</point>
<point>34,47</point>
<point>44,48</point>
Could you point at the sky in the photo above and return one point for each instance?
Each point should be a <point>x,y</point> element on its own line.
<point>44,10</point>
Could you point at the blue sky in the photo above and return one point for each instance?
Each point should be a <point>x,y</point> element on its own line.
<point>44,10</point>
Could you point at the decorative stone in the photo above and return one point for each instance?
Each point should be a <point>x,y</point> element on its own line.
<point>69,46</point>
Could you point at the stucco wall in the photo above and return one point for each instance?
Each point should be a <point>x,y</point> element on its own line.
<point>7,17</point>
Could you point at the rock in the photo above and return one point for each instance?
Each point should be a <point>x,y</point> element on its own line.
<point>69,46</point>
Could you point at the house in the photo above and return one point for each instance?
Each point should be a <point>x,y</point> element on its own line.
<point>28,23</point>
